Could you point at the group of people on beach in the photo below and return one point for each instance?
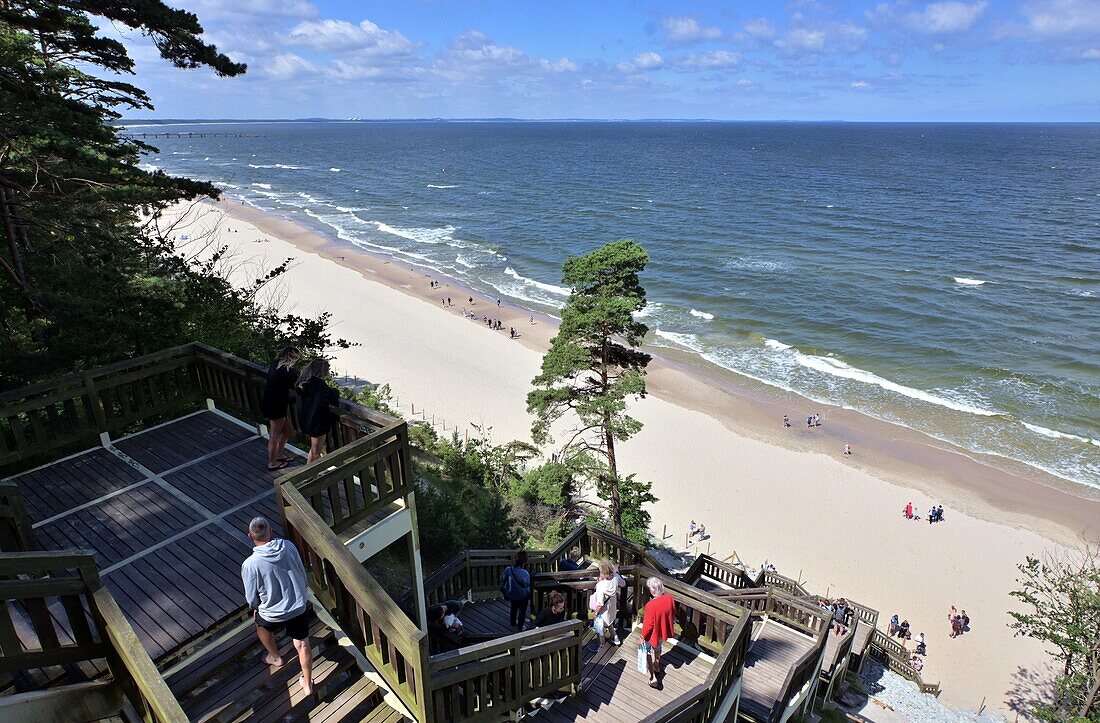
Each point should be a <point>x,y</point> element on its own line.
<point>694,530</point>
<point>912,513</point>
<point>960,623</point>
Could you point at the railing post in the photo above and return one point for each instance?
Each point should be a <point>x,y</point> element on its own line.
<point>98,413</point>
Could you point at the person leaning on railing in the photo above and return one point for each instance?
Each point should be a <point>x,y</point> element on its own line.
<point>281,378</point>
<point>315,396</point>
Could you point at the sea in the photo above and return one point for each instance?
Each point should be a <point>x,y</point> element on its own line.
<point>945,277</point>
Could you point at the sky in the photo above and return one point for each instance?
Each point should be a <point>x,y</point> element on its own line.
<point>893,60</point>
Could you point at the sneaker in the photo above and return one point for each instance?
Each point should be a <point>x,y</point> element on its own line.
<point>616,640</point>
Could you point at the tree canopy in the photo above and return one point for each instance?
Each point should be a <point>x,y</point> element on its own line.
<point>593,369</point>
<point>81,281</point>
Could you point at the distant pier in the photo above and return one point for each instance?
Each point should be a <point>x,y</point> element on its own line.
<point>195,135</point>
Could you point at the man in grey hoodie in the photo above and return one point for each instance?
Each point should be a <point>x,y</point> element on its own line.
<point>275,588</point>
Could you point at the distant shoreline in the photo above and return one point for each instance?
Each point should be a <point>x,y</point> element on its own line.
<point>979,484</point>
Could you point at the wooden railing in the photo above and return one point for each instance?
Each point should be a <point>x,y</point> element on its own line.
<point>791,586</point>
<point>359,479</point>
<point>75,619</point>
<point>374,622</point>
<point>687,708</point>
<point>800,681</point>
<point>723,572</point>
<point>777,604</point>
<point>61,414</point>
<point>16,534</point>
<point>894,656</point>
<point>493,679</point>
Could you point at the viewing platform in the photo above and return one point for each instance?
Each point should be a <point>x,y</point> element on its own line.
<point>123,518</point>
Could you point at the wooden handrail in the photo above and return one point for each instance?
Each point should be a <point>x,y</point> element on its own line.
<point>687,708</point>
<point>16,534</point>
<point>32,579</point>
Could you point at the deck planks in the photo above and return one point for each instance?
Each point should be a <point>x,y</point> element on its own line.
<point>167,533</point>
<point>773,653</point>
<point>618,693</point>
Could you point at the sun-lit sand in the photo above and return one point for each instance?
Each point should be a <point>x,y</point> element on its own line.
<point>784,496</point>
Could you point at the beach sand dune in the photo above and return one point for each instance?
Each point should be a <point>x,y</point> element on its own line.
<point>836,524</point>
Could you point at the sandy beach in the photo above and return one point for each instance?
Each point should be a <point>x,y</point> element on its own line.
<point>715,450</point>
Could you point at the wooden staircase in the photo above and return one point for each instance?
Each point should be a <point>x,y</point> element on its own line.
<point>230,684</point>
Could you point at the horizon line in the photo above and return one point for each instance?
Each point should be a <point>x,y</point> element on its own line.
<point>509,119</point>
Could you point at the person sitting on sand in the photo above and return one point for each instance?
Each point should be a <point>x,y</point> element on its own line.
<point>702,531</point>
<point>916,663</point>
<point>903,630</point>
<point>786,421</point>
<point>810,421</point>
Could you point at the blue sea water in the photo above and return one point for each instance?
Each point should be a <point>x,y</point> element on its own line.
<point>945,277</point>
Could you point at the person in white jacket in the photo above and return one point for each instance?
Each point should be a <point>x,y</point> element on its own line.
<point>606,600</point>
<point>275,588</point>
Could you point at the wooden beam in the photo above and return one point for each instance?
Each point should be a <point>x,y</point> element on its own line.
<point>81,701</point>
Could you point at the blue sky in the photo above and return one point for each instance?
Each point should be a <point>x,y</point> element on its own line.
<point>966,60</point>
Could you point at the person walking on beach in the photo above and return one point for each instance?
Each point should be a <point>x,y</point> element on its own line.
<point>909,511</point>
<point>810,421</point>
<point>848,449</point>
<point>449,301</point>
<point>281,376</point>
<point>515,585</point>
<point>275,589</point>
<point>471,301</point>
<point>315,396</point>
<point>658,625</point>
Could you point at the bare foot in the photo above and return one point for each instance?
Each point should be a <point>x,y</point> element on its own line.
<point>307,689</point>
<point>276,661</point>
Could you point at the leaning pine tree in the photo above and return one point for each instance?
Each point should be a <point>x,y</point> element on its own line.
<point>593,368</point>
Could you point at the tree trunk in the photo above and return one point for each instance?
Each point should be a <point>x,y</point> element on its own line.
<point>1090,700</point>
<point>31,307</point>
<point>609,440</point>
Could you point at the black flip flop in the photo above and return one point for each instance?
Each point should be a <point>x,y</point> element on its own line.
<point>276,468</point>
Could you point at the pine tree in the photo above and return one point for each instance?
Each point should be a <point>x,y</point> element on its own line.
<point>594,367</point>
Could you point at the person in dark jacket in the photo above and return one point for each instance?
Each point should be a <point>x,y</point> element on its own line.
<point>515,584</point>
<point>281,377</point>
<point>315,397</point>
<point>554,612</point>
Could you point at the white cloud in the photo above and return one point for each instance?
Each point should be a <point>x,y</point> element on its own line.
<point>642,62</point>
<point>760,28</point>
<point>263,12</point>
<point>685,30</point>
<point>285,66</point>
<point>712,60</point>
<point>828,38</point>
<point>861,85</point>
<point>338,35</point>
<point>946,17</point>
<point>1063,18</point>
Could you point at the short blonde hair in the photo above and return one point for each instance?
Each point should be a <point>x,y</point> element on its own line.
<point>656,587</point>
<point>605,570</point>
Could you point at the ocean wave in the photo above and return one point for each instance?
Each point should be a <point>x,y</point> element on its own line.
<point>837,368</point>
<point>421,235</point>
<point>968,282</point>
<point>1055,434</point>
<point>335,170</point>
<point>776,344</point>
<point>263,185</point>
<point>461,261</point>
<point>752,263</point>
<point>651,308</point>
<point>688,341</point>
<point>283,166</point>
<point>432,185</point>
<point>560,291</point>
<point>702,314</point>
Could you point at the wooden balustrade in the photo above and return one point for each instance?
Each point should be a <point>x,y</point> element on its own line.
<point>16,534</point>
<point>687,708</point>
<point>375,623</point>
<point>895,656</point>
<point>793,587</point>
<point>723,572</point>
<point>65,413</point>
<point>778,604</point>
<point>802,675</point>
<point>75,619</point>
<point>492,679</point>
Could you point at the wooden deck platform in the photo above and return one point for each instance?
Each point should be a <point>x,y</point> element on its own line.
<point>165,511</point>
<point>833,644</point>
<point>774,651</point>
<point>613,690</point>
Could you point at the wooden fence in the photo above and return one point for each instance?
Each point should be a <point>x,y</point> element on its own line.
<point>75,619</point>
<point>66,413</point>
<point>894,656</point>
<point>16,534</point>
<point>723,572</point>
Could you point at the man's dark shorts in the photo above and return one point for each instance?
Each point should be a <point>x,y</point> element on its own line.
<point>297,627</point>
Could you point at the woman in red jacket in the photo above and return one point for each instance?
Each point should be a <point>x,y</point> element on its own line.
<point>657,626</point>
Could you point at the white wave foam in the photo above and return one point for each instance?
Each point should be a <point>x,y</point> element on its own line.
<point>432,185</point>
<point>752,263</point>
<point>968,282</point>
<point>148,166</point>
<point>775,344</point>
<point>837,368</point>
<point>1055,434</point>
<point>688,341</point>
<point>283,166</point>
<point>560,291</point>
<point>335,170</point>
<point>263,185</point>
<point>651,308</point>
<point>463,262</point>
<point>421,235</point>
<point>702,314</point>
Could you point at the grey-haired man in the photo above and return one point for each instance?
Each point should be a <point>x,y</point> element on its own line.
<point>275,587</point>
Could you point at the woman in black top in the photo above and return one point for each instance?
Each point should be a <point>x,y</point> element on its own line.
<point>314,399</point>
<point>281,377</point>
